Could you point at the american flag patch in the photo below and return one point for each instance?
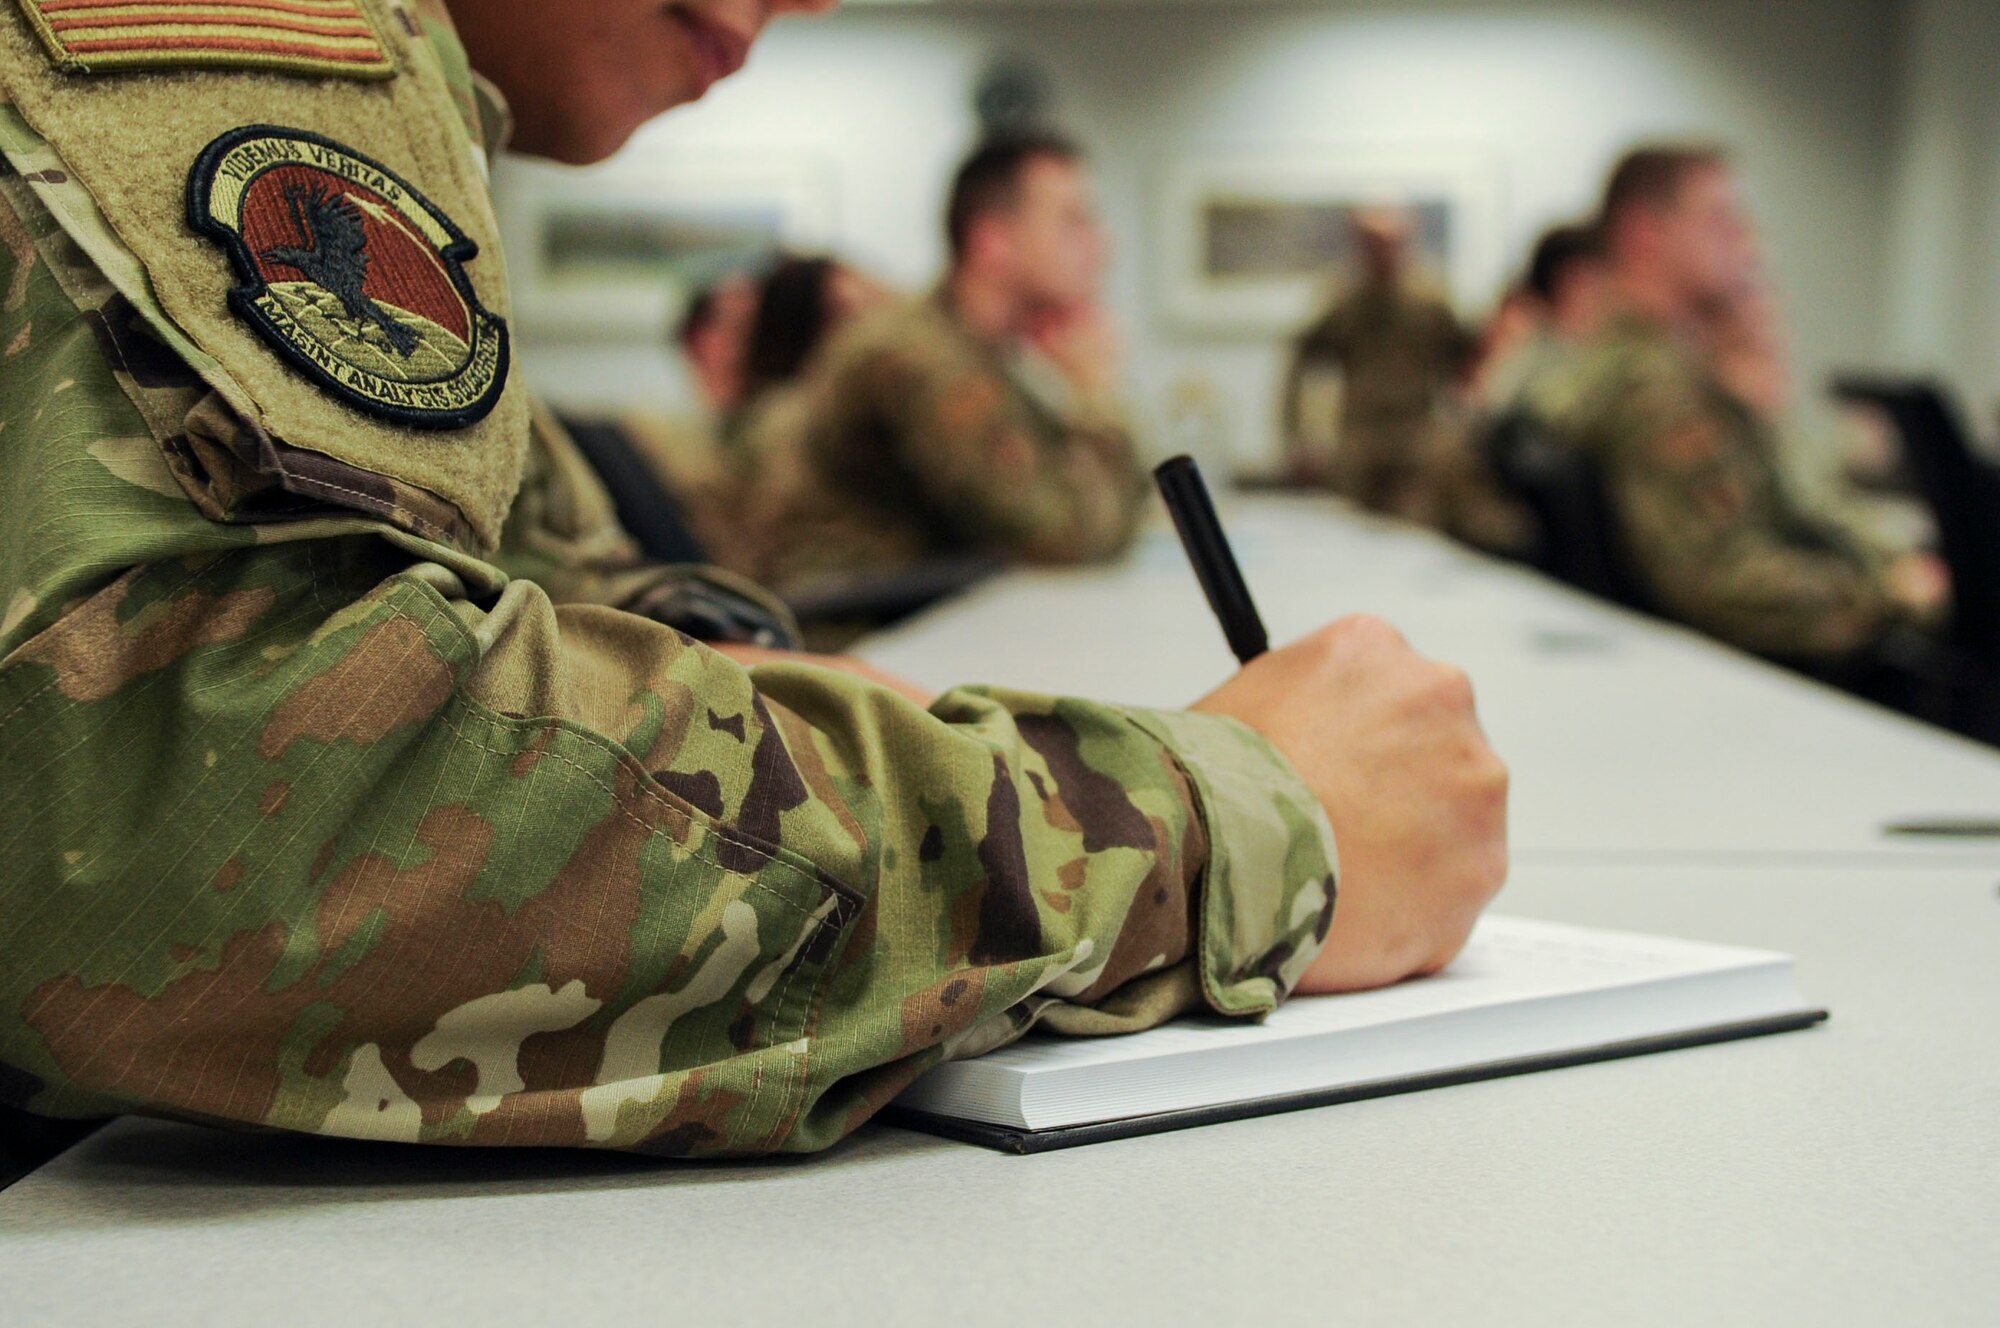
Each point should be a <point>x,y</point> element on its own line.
<point>319,38</point>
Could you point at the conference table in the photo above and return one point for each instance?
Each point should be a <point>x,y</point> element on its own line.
<point>1846,1174</point>
<point>1629,739</point>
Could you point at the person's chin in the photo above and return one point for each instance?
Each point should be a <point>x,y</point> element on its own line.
<point>588,141</point>
<point>574,143</point>
<point>688,86</point>
<point>690,94</point>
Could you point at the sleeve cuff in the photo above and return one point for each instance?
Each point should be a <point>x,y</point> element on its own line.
<point>1269,886</point>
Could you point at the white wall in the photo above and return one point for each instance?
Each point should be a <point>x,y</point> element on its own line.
<point>1944,260</point>
<point>1551,90</point>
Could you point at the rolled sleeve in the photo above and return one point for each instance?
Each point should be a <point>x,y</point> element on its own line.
<point>1269,887</point>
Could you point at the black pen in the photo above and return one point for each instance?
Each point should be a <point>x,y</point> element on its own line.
<point>1948,827</point>
<point>1214,562</point>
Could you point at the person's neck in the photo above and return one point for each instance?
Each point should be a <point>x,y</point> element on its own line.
<point>987,308</point>
<point>1650,296</point>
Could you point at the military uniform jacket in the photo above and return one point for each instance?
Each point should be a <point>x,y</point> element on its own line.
<point>1705,507</point>
<point>314,815</point>
<point>1398,352</point>
<point>913,439</point>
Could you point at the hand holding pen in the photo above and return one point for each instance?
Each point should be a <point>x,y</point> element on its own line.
<point>1388,743</point>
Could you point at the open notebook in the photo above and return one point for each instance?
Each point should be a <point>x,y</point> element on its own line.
<point>1523,996</point>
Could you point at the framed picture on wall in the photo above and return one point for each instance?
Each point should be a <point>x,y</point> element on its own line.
<point>611,254</point>
<point>1255,243</point>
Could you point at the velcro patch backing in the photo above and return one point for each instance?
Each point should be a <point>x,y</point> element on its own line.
<point>317,38</point>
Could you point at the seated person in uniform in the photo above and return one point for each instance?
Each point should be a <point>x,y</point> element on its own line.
<point>1397,353</point>
<point>1562,307</point>
<point>665,469</point>
<point>679,480</point>
<point>1693,470</point>
<point>981,421</point>
<point>713,337</point>
<point>1553,308</point>
<point>1529,346</point>
<point>805,303</point>
<point>319,820</point>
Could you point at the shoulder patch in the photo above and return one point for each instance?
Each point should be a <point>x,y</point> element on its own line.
<point>352,275</point>
<point>315,38</point>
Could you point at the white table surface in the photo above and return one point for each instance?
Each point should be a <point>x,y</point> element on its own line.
<point>1845,1175</point>
<point>1628,739</point>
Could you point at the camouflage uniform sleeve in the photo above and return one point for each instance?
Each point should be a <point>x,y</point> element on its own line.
<point>1016,475</point>
<point>308,835</point>
<point>299,838</point>
<point>1819,488</point>
<point>1702,506</point>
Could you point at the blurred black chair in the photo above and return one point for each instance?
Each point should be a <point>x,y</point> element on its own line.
<point>1564,487</point>
<point>649,513</point>
<point>846,604</point>
<point>881,599</point>
<point>1963,494</point>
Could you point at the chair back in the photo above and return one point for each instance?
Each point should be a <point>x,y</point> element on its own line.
<point>1962,491</point>
<point>1564,487</point>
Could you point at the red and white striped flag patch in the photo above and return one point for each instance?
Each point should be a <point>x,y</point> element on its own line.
<point>317,38</point>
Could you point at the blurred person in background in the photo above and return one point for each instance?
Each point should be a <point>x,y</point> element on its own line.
<point>980,421</point>
<point>1525,354</point>
<point>1399,353</point>
<point>1672,401</point>
<point>680,478</point>
<point>805,302</point>
<point>1558,308</point>
<point>682,448</point>
<point>713,337</point>
<point>663,469</point>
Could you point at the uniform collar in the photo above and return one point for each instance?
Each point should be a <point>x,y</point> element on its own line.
<point>496,118</point>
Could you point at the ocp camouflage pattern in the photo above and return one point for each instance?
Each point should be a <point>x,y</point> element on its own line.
<point>1705,507</point>
<point>1395,355</point>
<point>310,821</point>
<point>910,440</point>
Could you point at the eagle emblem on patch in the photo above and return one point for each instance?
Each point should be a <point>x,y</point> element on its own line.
<point>313,38</point>
<point>352,275</point>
